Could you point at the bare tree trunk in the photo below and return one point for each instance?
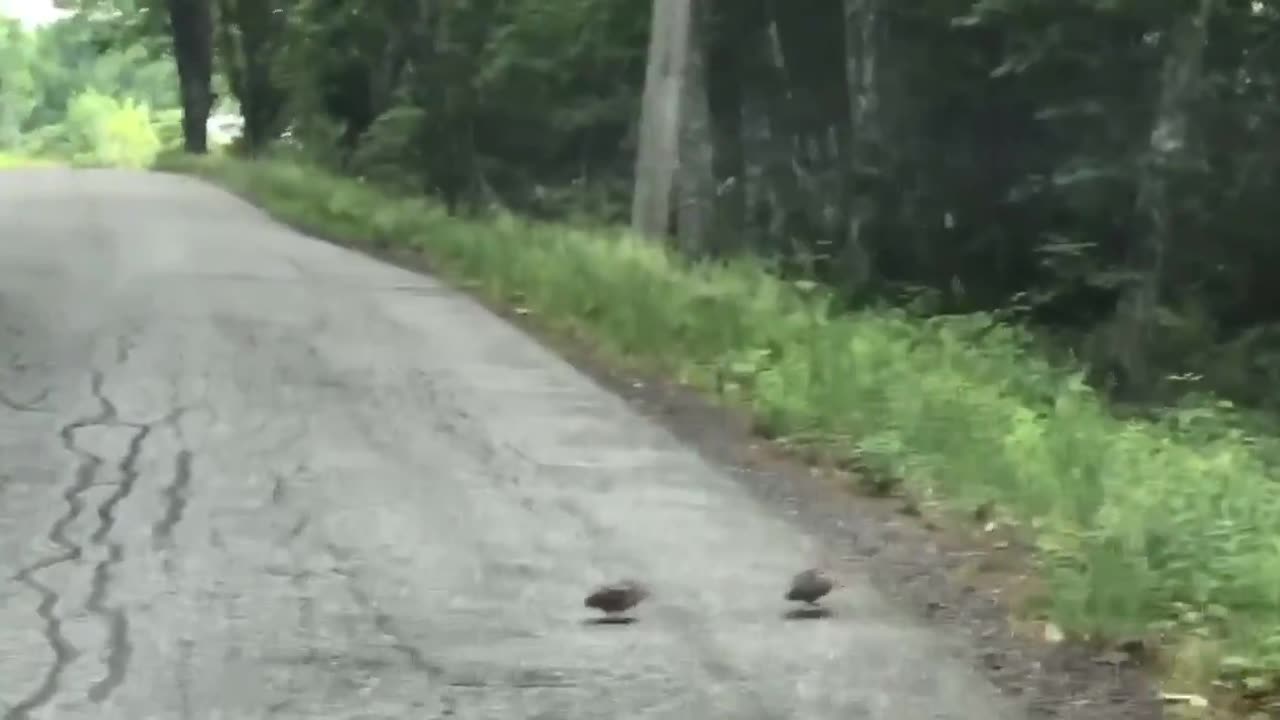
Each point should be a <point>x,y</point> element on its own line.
<point>1168,149</point>
<point>191,24</point>
<point>658,155</point>
<point>695,181</point>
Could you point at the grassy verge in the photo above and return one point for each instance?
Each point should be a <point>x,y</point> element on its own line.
<point>1169,527</point>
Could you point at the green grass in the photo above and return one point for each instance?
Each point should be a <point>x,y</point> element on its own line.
<point>1140,525</point>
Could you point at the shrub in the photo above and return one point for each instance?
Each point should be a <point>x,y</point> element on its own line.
<point>99,130</point>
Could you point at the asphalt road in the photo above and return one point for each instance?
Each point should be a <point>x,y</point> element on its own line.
<point>247,474</point>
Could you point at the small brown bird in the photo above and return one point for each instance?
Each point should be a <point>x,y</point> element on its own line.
<point>809,586</point>
<point>617,597</point>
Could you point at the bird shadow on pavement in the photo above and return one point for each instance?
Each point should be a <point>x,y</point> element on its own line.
<point>609,621</point>
<point>807,613</point>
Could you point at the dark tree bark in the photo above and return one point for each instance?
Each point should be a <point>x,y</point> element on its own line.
<point>250,34</point>
<point>191,23</point>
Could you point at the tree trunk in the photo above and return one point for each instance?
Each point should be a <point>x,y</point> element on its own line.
<point>251,32</point>
<point>695,182</point>
<point>1168,150</point>
<point>661,111</point>
<point>191,24</point>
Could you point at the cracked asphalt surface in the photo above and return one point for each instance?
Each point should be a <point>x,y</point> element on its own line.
<point>247,474</point>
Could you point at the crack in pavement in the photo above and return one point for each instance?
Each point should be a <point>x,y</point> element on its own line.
<point>281,492</point>
<point>128,478</point>
<point>279,488</point>
<point>64,653</point>
<point>175,494</point>
<point>119,647</point>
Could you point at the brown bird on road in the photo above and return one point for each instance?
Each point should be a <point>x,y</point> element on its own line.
<point>808,586</point>
<point>618,597</point>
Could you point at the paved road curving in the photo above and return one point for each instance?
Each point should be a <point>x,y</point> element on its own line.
<point>247,474</point>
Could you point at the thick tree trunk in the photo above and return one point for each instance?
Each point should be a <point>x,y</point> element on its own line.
<point>191,23</point>
<point>250,32</point>
<point>658,155</point>
<point>768,180</point>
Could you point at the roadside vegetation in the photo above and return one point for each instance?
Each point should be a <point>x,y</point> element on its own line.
<point>1016,269</point>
